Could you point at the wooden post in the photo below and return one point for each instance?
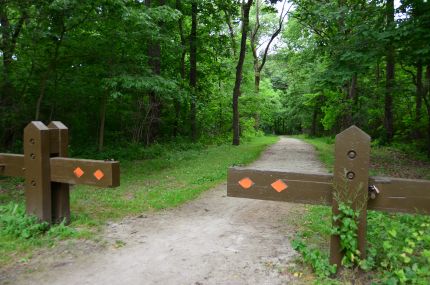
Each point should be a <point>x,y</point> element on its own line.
<point>59,135</point>
<point>351,176</point>
<point>37,171</point>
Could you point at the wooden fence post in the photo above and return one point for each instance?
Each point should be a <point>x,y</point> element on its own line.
<point>351,178</point>
<point>37,171</point>
<point>59,134</point>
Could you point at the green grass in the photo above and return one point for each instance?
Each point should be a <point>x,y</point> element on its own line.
<point>398,244</point>
<point>174,177</point>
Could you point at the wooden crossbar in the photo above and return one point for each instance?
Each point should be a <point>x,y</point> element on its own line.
<point>395,194</point>
<point>62,170</point>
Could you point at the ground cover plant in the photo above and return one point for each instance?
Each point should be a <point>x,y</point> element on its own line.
<point>161,177</point>
<point>398,244</point>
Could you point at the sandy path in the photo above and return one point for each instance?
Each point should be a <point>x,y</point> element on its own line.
<point>211,240</point>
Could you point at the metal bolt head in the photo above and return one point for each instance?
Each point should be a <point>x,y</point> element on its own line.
<point>350,175</point>
<point>33,183</point>
<point>32,141</point>
<point>352,154</point>
<point>33,156</point>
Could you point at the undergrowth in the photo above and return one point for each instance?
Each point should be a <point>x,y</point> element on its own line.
<point>152,178</point>
<point>398,244</point>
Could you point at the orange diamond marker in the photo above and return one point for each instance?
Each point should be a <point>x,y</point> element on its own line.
<point>279,185</point>
<point>78,172</point>
<point>99,174</point>
<point>246,183</point>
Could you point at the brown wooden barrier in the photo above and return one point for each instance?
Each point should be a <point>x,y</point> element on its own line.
<point>48,172</point>
<point>350,182</point>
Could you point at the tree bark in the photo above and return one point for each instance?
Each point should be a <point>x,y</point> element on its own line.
<point>239,69</point>
<point>193,69</point>
<point>390,76</point>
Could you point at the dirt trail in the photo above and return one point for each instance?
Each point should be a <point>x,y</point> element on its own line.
<point>211,240</point>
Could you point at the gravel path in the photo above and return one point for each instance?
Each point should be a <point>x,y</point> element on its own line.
<point>211,240</point>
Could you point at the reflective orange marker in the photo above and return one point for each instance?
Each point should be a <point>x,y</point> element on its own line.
<point>279,185</point>
<point>246,183</point>
<point>78,172</point>
<point>99,174</point>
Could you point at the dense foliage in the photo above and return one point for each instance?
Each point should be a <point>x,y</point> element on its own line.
<point>121,71</point>
<point>356,62</point>
<point>133,71</point>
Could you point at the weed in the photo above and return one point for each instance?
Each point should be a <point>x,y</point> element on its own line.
<point>398,244</point>
<point>152,178</point>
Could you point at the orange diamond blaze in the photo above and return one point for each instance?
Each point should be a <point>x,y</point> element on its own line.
<point>246,183</point>
<point>78,172</point>
<point>99,174</point>
<point>279,185</point>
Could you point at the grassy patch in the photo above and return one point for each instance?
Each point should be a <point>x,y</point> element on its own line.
<point>398,244</point>
<point>170,178</point>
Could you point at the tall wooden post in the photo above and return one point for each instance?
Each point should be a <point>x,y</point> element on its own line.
<point>351,176</point>
<point>37,171</point>
<point>59,134</point>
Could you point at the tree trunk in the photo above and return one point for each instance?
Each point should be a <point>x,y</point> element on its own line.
<point>377,73</point>
<point>193,69</point>
<point>154,55</point>
<point>231,32</point>
<point>314,121</point>
<point>389,83</point>
<point>176,101</point>
<point>418,99</point>
<point>102,121</point>
<point>258,67</point>
<point>239,68</point>
<point>43,84</point>
<point>426,97</point>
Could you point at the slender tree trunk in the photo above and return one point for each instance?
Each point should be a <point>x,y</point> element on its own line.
<point>314,121</point>
<point>418,99</point>
<point>239,68</point>
<point>176,101</point>
<point>377,73</point>
<point>426,97</point>
<point>154,54</point>
<point>389,83</point>
<point>193,69</point>
<point>258,67</point>
<point>231,32</point>
<point>43,84</point>
<point>352,94</point>
<point>103,108</point>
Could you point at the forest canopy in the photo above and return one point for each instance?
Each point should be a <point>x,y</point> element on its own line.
<point>121,72</point>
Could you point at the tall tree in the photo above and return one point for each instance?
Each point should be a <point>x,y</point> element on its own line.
<point>256,37</point>
<point>246,7</point>
<point>193,69</point>
<point>390,68</point>
<point>154,56</point>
